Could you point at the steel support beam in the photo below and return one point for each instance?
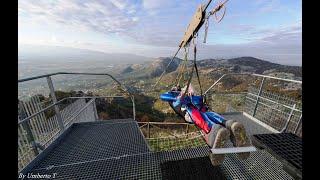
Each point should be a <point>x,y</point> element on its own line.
<point>258,97</point>
<point>95,110</point>
<point>298,124</point>
<point>56,107</point>
<point>233,150</point>
<point>289,118</point>
<point>26,127</point>
<point>148,130</point>
<point>133,108</point>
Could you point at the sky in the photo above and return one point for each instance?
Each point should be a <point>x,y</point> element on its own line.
<point>266,29</point>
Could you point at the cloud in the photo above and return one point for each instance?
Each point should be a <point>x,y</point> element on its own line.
<point>159,24</point>
<point>290,34</point>
<point>156,4</point>
<point>100,16</point>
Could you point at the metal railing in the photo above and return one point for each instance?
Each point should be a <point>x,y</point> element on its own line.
<point>153,127</point>
<point>52,91</point>
<point>36,131</point>
<point>283,115</point>
<point>168,136</point>
<point>37,128</point>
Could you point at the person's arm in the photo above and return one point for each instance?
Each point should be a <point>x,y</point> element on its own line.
<point>168,97</point>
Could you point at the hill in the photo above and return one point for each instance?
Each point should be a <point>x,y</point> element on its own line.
<point>215,67</point>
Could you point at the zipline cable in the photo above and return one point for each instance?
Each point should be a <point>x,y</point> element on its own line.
<point>165,70</point>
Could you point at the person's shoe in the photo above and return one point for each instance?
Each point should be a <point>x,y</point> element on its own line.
<point>216,138</point>
<point>238,137</point>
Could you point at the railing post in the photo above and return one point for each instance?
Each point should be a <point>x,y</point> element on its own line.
<point>148,129</point>
<point>54,100</point>
<point>258,97</point>
<point>298,124</point>
<point>187,129</point>
<point>30,137</point>
<point>133,108</point>
<point>26,127</point>
<point>289,118</point>
<point>95,109</point>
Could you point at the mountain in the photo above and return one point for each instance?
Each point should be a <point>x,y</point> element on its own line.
<point>250,65</point>
<point>159,65</point>
<point>36,60</point>
<point>153,68</point>
<point>214,67</point>
<point>58,54</point>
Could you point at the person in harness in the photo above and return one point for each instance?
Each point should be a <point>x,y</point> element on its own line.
<point>215,128</point>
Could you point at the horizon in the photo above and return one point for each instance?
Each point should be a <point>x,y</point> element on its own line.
<point>268,30</point>
<point>151,58</point>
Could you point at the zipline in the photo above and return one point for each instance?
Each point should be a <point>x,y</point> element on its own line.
<point>215,129</point>
<point>199,18</point>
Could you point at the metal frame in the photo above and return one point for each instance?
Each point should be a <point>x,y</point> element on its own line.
<point>258,96</point>
<point>233,150</point>
<point>31,136</point>
<point>24,121</point>
<point>48,76</point>
<point>58,102</point>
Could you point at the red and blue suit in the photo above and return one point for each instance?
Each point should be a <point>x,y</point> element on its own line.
<point>195,108</point>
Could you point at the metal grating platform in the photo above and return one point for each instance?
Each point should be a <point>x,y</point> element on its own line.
<point>117,150</point>
<point>141,166</point>
<point>196,168</point>
<point>286,147</point>
<point>260,164</point>
<point>92,141</point>
<point>251,126</point>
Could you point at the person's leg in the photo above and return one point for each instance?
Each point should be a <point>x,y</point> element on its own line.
<point>238,135</point>
<point>197,118</point>
<point>215,117</point>
<point>214,134</point>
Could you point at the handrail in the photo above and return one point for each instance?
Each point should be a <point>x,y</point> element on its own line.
<point>79,73</point>
<point>50,106</point>
<point>75,73</point>
<point>282,79</point>
<point>58,73</point>
<point>80,111</point>
<point>298,110</point>
<point>166,123</point>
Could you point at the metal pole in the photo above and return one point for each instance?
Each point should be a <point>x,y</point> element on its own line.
<point>289,118</point>
<point>187,129</point>
<point>95,109</point>
<point>30,137</point>
<point>26,127</point>
<point>148,130</point>
<point>295,130</point>
<point>258,97</point>
<point>133,108</point>
<point>56,107</point>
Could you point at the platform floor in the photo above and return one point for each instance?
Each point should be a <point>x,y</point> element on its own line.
<point>116,149</point>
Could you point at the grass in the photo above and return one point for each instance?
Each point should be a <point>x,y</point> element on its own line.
<point>170,143</point>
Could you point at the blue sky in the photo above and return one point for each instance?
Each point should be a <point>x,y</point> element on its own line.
<point>268,29</point>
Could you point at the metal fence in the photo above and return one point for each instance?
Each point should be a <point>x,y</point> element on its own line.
<point>168,136</point>
<point>37,129</point>
<point>39,126</point>
<point>279,111</point>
